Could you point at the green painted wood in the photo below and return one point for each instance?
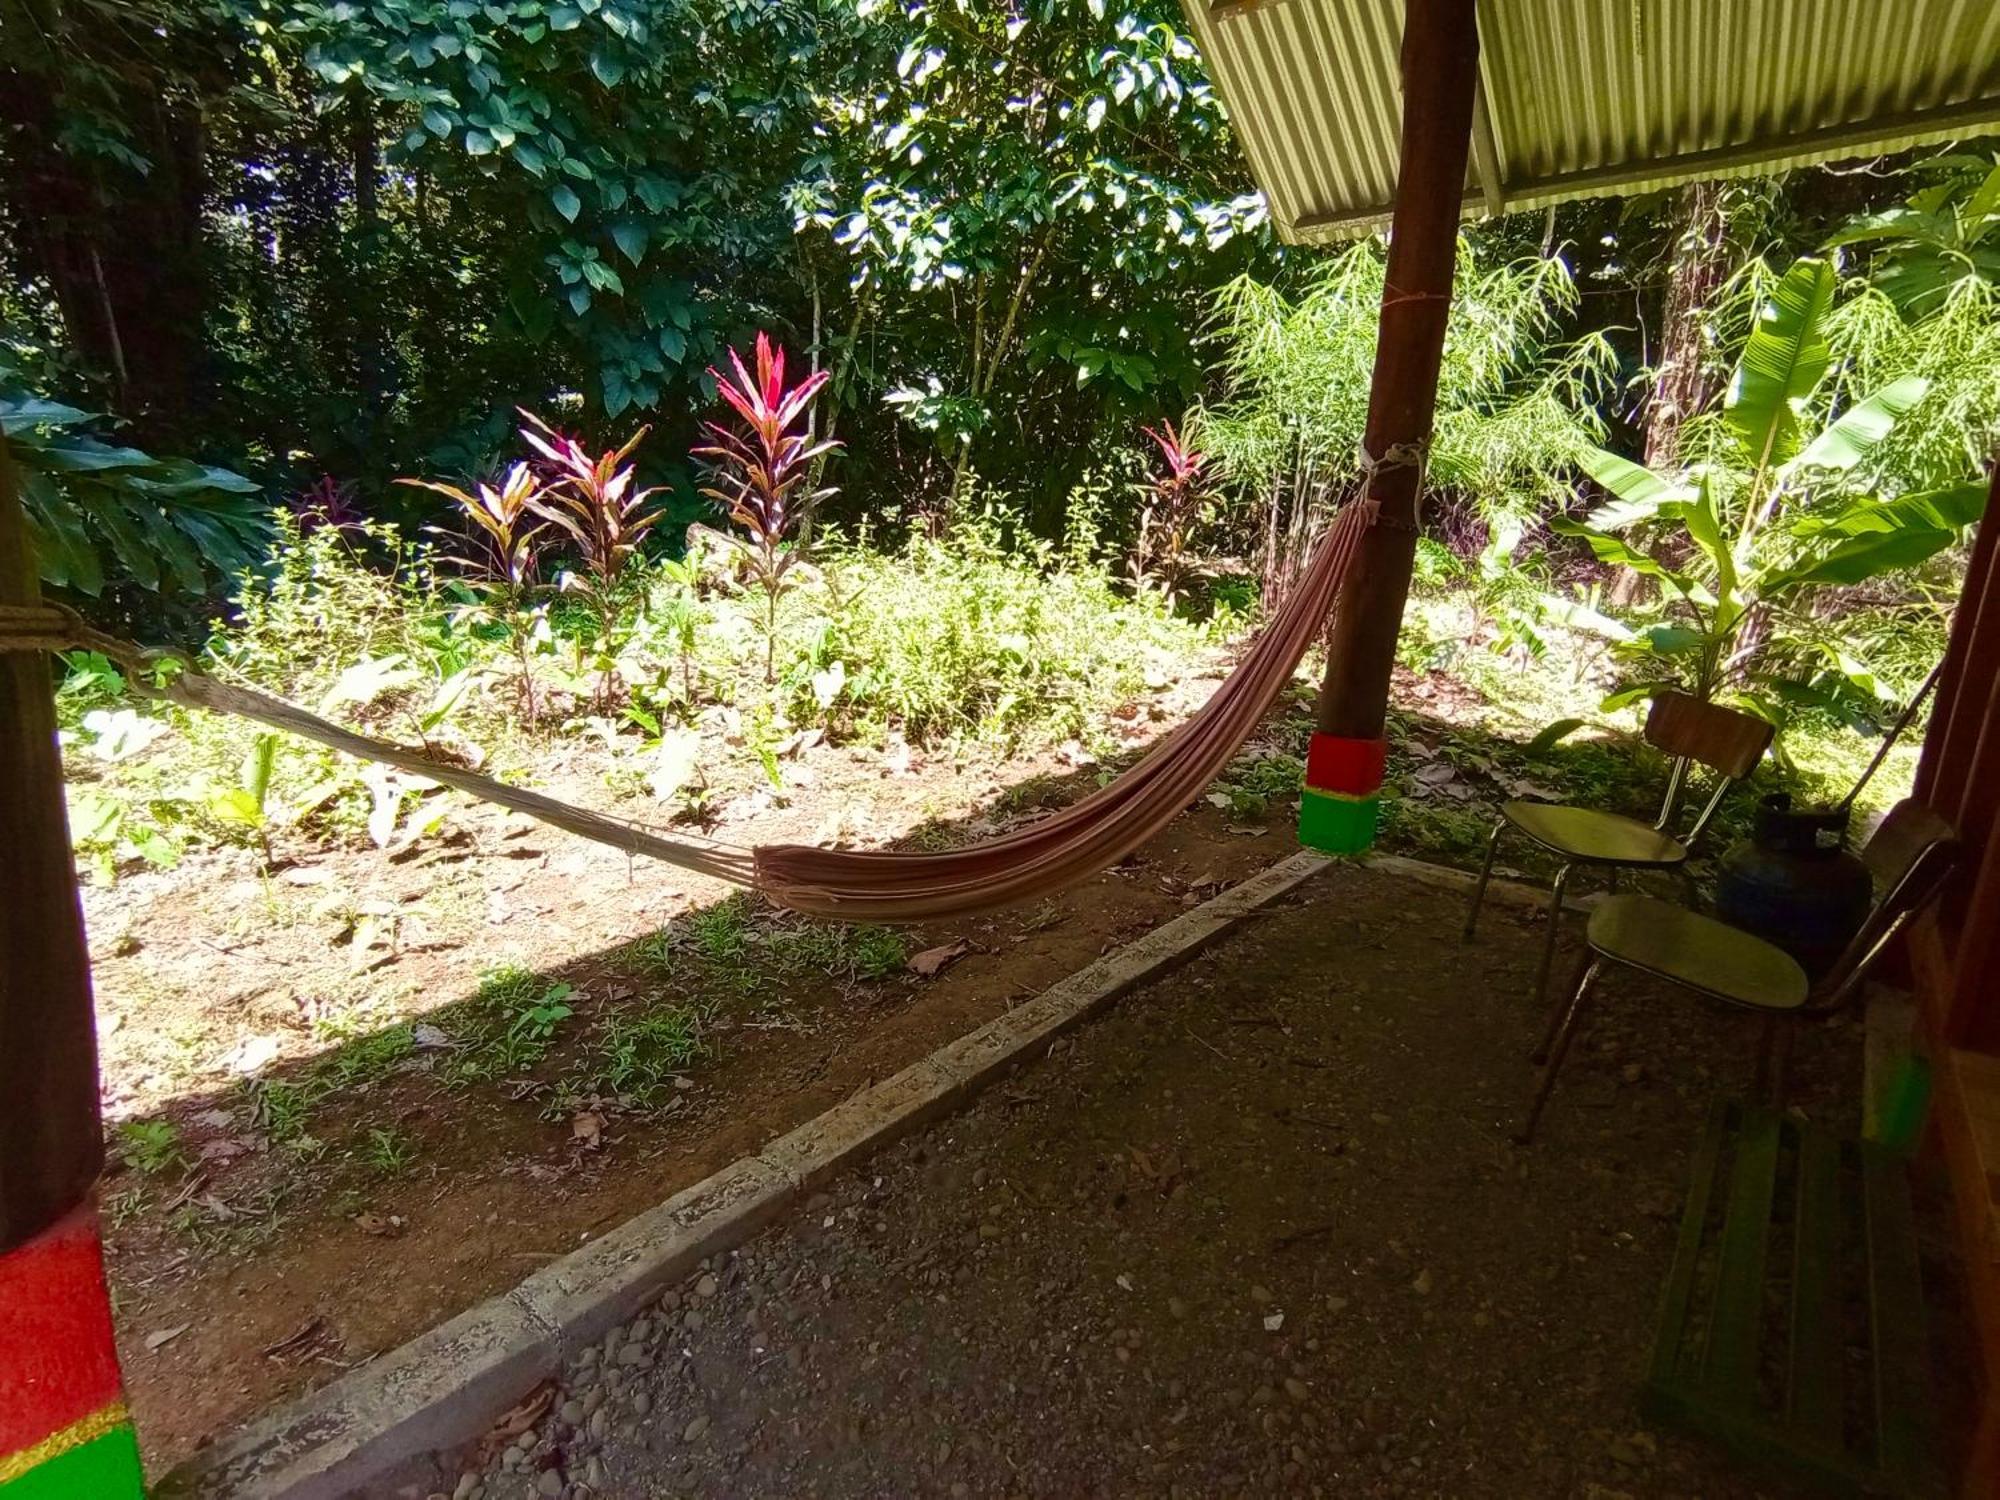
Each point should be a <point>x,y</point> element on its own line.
<point>1903,1442</point>
<point>1814,1374</point>
<point>105,1468</point>
<point>1716,1394</point>
<point>1674,1320</point>
<point>1736,1319</point>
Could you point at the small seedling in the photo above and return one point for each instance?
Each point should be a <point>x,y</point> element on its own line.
<point>150,1146</point>
<point>538,1022</point>
<point>389,1153</point>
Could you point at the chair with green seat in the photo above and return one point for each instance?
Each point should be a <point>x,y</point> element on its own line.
<point>1725,740</point>
<point>1910,856</point>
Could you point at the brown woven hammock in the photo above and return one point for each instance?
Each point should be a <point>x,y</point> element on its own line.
<point>861,885</point>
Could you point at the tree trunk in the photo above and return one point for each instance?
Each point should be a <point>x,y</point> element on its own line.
<point>51,1144</point>
<point>1440,66</point>
<point>1683,380</point>
<point>122,251</point>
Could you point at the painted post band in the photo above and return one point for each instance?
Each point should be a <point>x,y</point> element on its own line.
<point>64,1430</point>
<point>1342,801</point>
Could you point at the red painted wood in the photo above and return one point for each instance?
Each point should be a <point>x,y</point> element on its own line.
<point>1959,775</point>
<point>1971,661</point>
<point>58,1358</point>
<point>1350,767</point>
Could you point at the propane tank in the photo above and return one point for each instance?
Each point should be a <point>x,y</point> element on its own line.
<point>1793,883</point>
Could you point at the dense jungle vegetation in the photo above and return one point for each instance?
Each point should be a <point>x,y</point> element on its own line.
<point>420,346</point>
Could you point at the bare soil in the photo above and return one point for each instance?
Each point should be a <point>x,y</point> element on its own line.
<point>259,1258</point>
<point>1259,1230</point>
<point>245,1272</point>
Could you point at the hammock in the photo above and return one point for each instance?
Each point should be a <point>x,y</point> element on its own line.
<point>858,885</point>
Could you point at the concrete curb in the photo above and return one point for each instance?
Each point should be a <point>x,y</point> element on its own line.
<point>445,1387</point>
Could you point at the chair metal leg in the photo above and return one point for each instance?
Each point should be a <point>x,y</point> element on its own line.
<point>1485,874</point>
<point>1558,1048</point>
<point>1549,937</point>
<point>1560,1009</point>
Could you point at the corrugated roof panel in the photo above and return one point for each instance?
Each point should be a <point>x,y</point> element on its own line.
<point>1595,97</point>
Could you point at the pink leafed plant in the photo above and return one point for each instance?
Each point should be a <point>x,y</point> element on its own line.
<point>761,474</point>
<point>509,537</point>
<point>595,500</point>
<point>1173,506</point>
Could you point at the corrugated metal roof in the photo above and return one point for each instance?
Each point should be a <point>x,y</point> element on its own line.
<point>1586,98</point>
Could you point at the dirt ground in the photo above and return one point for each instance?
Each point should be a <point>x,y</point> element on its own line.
<point>1259,1230</point>
<point>245,1274</point>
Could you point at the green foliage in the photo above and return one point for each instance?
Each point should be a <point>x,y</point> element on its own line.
<point>1947,233</point>
<point>637,1057</point>
<point>637,152</point>
<point>1788,502</point>
<point>151,1147</point>
<point>388,1152</point>
<point>968,640</point>
<point>103,514</point>
<point>1515,404</point>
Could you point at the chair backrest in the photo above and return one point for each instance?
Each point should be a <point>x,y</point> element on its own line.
<point>1726,740</point>
<point>1911,855</point>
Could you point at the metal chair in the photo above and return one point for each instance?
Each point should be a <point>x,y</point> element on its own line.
<point>1911,855</point>
<point>1725,740</point>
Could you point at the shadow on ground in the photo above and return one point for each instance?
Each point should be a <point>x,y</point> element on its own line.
<point>1259,1230</point>
<point>299,1219</point>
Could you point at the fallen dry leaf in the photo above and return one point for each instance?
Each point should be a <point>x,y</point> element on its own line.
<point>934,961</point>
<point>587,1129</point>
<point>159,1339</point>
<point>518,1419</point>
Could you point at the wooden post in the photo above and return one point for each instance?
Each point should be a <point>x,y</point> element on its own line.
<point>1344,766</point>
<point>63,1425</point>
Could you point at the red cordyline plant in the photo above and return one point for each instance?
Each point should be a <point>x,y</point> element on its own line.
<point>1173,506</point>
<point>595,500</point>
<point>328,505</point>
<point>504,517</point>
<point>761,476</point>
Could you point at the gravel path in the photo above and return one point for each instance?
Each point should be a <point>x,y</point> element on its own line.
<point>1259,1231</point>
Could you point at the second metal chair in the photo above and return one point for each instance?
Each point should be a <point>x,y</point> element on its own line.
<point>1693,732</point>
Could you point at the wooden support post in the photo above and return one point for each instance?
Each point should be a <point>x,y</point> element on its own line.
<point>63,1426</point>
<point>1440,76</point>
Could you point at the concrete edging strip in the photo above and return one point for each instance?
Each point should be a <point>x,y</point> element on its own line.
<point>445,1387</point>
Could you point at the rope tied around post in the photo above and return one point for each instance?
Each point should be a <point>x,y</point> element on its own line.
<point>1411,455</point>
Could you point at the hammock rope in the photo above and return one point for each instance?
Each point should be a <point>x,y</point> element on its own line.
<point>861,885</point>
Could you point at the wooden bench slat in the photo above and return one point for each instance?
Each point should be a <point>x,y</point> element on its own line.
<point>1814,1377</point>
<point>1669,1347</point>
<point>1736,1320</point>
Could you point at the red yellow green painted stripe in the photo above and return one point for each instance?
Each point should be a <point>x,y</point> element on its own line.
<point>64,1430</point>
<point>1342,804</point>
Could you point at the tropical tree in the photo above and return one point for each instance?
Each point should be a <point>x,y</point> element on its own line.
<point>1007,191</point>
<point>1516,402</point>
<point>102,513</point>
<point>638,153</point>
<point>1785,506</point>
<point>1946,232</point>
